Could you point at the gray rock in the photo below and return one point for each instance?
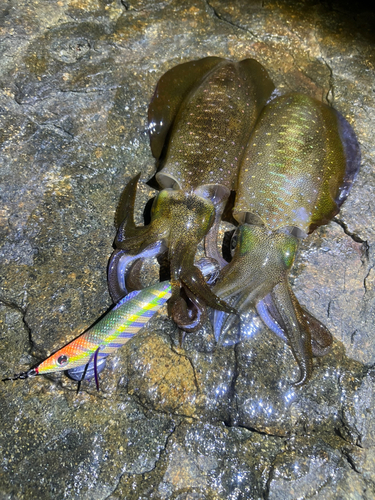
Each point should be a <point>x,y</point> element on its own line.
<point>191,422</point>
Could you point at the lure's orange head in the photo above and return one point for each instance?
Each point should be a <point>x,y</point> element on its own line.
<point>77,353</point>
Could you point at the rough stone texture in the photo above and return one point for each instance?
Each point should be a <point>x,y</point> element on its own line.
<point>171,422</point>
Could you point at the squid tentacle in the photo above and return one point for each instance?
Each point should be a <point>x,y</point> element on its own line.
<point>190,276</point>
<point>299,338</point>
<point>131,238</point>
<point>241,302</point>
<point>125,208</point>
<point>119,264</point>
<point>193,279</point>
<point>188,318</point>
<point>191,318</point>
<point>210,241</point>
<point>263,309</point>
<point>321,337</point>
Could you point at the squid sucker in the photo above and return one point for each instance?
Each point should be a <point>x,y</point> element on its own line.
<point>297,170</point>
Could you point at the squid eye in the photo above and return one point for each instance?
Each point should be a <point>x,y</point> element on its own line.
<point>62,360</point>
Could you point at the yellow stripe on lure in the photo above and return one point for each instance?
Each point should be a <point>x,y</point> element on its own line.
<point>85,356</point>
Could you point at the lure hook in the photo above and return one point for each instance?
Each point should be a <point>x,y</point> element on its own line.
<point>23,375</point>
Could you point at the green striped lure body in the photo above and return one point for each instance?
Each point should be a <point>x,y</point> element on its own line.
<point>85,356</point>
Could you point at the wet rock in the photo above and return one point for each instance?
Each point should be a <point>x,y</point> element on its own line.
<point>340,287</point>
<point>314,468</point>
<point>85,450</point>
<point>190,421</point>
<point>207,462</point>
<point>160,377</point>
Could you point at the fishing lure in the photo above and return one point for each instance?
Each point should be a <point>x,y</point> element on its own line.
<point>85,356</point>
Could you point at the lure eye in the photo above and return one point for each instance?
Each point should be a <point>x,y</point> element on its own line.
<point>62,360</point>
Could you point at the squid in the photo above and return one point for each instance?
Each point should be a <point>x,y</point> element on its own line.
<point>200,120</point>
<point>297,170</point>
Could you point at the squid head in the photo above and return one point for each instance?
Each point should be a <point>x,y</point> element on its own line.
<point>179,222</point>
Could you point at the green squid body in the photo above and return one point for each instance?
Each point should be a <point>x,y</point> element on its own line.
<point>200,120</point>
<point>296,171</point>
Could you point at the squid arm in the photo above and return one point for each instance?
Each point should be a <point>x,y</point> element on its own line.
<point>179,221</point>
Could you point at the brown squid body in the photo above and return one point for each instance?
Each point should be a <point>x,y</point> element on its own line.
<point>200,120</point>
<point>297,170</point>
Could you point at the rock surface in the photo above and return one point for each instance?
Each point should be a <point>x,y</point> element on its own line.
<point>171,422</point>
